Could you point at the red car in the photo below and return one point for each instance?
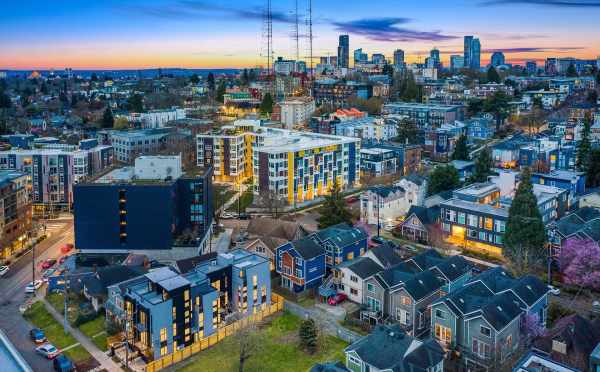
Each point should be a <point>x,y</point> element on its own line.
<point>48,263</point>
<point>337,299</point>
<point>352,199</point>
<point>66,248</point>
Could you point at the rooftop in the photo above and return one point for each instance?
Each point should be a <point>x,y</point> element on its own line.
<point>478,207</point>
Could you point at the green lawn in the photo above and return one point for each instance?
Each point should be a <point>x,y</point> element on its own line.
<point>41,318</point>
<point>245,201</point>
<point>221,194</point>
<point>93,328</point>
<point>279,351</point>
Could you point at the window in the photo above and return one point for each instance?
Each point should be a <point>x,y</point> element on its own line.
<point>174,330</point>
<point>373,304</point>
<point>370,287</point>
<point>402,316</point>
<point>499,226</point>
<point>489,223</point>
<point>482,236</point>
<point>163,335</point>
<point>485,331</point>
<point>405,300</point>
<point>472,220</point>
<point>480,348</point>
<point>164,350</point>
<point>508,342</point>
<point>461,218</point>
<point>353,292</point>
<point>186,295</point>
<point>255,280</point>
<point>354,278</point>
<point>443,334</point>
<point>440,314</point>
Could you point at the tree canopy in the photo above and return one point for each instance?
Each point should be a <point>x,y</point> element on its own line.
<point>525,236</point>
<point>593,170</point>
<point>108,121</point>
<point>443,178</point>
<point>266,106</point>
<point>407,131</point>
<point>461,151</point>
<point>580,263</point>
<point>492,75</point>
<point>221,91</point>
<point>585,146</point>
<point>572,71</point>
<point>334,209</point>
<point>483,166</point>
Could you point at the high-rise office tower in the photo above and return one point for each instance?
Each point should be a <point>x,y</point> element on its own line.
<point>498,59</point>
<point>472,53</point>
<point>457,62</point>
<point>360,57</point>
<point>344,51</point>
<point>399,58</point>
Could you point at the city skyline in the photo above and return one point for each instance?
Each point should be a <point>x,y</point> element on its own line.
<point>200,34</point>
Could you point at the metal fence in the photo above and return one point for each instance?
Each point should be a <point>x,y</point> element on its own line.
<point>206,342</point>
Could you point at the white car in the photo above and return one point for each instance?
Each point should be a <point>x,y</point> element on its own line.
<point>553,290</point>
<point>33,286</point>
<point>389,227</point>
<point>48,351</point>
<point>227,216</point>
<point>3,270</point>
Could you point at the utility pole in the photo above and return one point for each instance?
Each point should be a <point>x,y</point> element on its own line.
<point>66,294</point>
<point>378,217</point>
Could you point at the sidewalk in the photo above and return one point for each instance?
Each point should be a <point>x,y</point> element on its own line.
<point>104,360</point>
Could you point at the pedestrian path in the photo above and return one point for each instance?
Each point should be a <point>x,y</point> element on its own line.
<point>105,361</point>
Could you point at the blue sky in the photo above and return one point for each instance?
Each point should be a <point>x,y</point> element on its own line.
<point>200,33</point>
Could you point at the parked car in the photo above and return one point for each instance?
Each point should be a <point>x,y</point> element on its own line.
<point>244,216</point>
<point>3,270</point>
<point>48,351</point>
<point>33,286</point>
<point>66,248</point>
<point>337,299</point>
<point>37,336</point>
<point>227,216</point>
<point>63,364</point>
<point>48,273</point>
<point>48,263</point>
<point>378,240</point>
<point>352,199</point>
<point>389,227</point>
<point>553,290</point>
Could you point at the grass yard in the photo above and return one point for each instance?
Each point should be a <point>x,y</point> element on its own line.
<point>94,328</point>
<point>245,201</point>
<point>41,318</point>
<point>221,194</point>
<point>279,351</point>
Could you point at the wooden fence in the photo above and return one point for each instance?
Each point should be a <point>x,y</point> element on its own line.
<point>208,341</point>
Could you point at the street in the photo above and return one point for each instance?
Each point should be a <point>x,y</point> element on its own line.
<point>12,291</point>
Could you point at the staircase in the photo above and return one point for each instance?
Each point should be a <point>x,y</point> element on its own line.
<point>327,288</point>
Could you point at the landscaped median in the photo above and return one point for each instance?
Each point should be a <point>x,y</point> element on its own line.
<point>54,331</point>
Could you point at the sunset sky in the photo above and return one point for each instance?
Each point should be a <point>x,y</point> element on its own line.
<point>111,34</point>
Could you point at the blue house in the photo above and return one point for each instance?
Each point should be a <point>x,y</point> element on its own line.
<point>572,181</point>
<point>301,264</point>
<point>341,243</point>
<point>481,128</point>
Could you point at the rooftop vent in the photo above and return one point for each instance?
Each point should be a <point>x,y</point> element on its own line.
<point>499,308</point>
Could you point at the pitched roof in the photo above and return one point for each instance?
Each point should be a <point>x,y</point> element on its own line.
<point>276,228</point>
<point>454,267</point>
<point>422,285</point>
<point>341,235</point>
<point>307,248</point>
<point>500,311</point>
<point>427,259</point>
<point>427,216</point>
<point>364,267</point>
<point>386,255</point>
<point>390,348</point>
<point>397,274</point>
<point>97,284</point>
<point>530,289</point>
<point>188,264</point>
<point>385,191</point>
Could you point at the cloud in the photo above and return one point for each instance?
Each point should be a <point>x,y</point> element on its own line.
<point>531,49</point>
<point>192,9</point>
<point>387,29</point>
<point>548,3</point>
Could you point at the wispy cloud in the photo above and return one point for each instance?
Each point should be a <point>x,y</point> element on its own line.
<point>531,49</point>
<point>192,9</point>
<point>548,3</point>
<point>389,29</point>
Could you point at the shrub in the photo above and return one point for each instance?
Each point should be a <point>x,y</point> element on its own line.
<point>556,311</point>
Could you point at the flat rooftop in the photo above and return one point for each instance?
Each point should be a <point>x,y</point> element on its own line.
<point>477,207</point>
<point>478,189</point>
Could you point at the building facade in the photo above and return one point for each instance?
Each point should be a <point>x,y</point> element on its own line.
<point>426,114</point>
<point>15,213</point>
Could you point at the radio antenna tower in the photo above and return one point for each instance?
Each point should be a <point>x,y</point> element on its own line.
<point>268,35</point>
<point>297,32</point>
<point>310,36</point>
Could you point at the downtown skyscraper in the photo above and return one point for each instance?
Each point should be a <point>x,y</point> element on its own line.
<point>344,51</point>
<point>472,53</point>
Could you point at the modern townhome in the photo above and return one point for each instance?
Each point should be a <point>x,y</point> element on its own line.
<point>573,182</point>
<point>301,264</point>
<point>341,243</point>
<point>165,311</point>
<point>350,276</point>
<point>584,223</point>
<point>389,348</point>
<point>403,292</point>
<point>482,319</point>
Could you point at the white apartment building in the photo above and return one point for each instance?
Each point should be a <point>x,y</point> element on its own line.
<point>297,111</point>
<point>158,167</point>
<point>157,118</point>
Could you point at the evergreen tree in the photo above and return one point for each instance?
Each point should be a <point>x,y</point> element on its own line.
<point>221,91</point>
<point>525,236</point>
<point>483,165</point>
<point>498,104</point>
<point>244,77</point>
<point>585,146</point>
<point>443,178</point>
<point>308,335</point>
<point>408,87</point>
<point>572,71</point>
<point>537,103</point>
<point>334,209</point>
<point>73,100</point>
<point>210,81</point>
<point>598,78</point>
<point>492,75</point>
<point>108,121</point>
<point>474,106</point>
<point>592,177</point>
<point>407,131</point>
<point>461,152</point>
<point>194,79</point>
<point>266,106</point>
<point>135,103</point>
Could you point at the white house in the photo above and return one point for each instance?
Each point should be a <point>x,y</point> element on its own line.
<point>350,277</point>
<point>384,204</point>
<point>415,188</point>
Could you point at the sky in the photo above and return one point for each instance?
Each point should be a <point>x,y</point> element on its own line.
<point>137,34</point>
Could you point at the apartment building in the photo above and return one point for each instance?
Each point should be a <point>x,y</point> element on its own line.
<point>164,311</point>
<point>294,166</point>
<point>15,212</point>
<point>156,118</point>
<point>433,115</point>
<point>130,144</point>
<point>296,111</point>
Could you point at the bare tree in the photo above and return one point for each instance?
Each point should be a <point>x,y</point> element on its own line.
<point>271,202</point>
<point>249,343</point>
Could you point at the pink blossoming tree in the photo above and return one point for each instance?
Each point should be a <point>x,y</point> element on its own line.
<point>580,263</point>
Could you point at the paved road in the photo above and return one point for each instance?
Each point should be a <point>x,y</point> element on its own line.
<point>12,293</point>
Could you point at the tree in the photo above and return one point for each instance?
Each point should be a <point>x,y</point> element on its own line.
<point>492,75</point>
<point>537,103</point>
<point>593,171</point>
<point>498,105</point>
<point>271,202</point>
<point>210,81</point>
<point>249,343</point>
<point>598,78</point>
<point>585,146</point>
<point>580,263</point>
<point>194,79</point>
<point>334,210</point>
<point>592,97</point>
<point>221,92</point>
<point>461,152</point>
<point>572,71</point>
<point>407,131</point>
<point>266,106</point>
<point>94,77</point>
<point>388,70</point>
<point>408,90</point>
<point>135,103</point>
<point>525,236</point>
<point>108,121</point>
<point>483,165</point>
<point>309,337</point>
<point>532,326</point>
<point>475,106</point>
<point>443,178</point>
<point>121,123</point>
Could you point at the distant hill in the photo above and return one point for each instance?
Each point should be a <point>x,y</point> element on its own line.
<point>145,73</point>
